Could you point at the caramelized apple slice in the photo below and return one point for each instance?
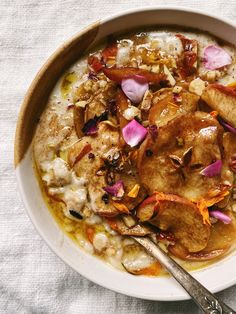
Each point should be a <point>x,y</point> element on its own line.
<point>167,109</point>
<point>180,217</point>
<point>122,103</point>
<point>229,145</point>
<point>223,100</point>
<point>197,136</point>
<point>118,74</point>
<point>204,255</point>
<point>221,239</point>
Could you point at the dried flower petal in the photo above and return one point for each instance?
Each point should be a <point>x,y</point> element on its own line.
<point>116,189</point>
<point>214,113</point>
<point>153,131</point>
<point>229,127</point>
<point>134,133</point>
<point>215,57</point>
<point>220,216</point>
<point>94,63</point>
<point>121,207</point>
<point>134,191</point>
<point>212,170</point>
<point>213,198</point>
<point>134,87</point>
<point>177,97</point>
<point>91,126</point>
<point>85,150</point>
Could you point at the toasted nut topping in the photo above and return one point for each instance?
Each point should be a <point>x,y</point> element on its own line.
<point>197,86</point>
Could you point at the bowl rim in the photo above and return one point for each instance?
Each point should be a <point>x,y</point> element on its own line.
<point>25,104</point>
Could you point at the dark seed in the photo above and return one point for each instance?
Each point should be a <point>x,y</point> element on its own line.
<point>149,152</point>
<point>105,198</point>
<point>75,214</point>
<point>91,156</point>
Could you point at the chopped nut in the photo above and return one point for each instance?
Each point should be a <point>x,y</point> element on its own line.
<point>87,212</point>
<point>102,83</point>
<point>156,68</point>
<point>81,103</point>
<point>197,86</point>
<point>177,89</point>
<point>211,76</point>
<point>147,101</point>
<point>88,85</point>
<point>145,67</point>
<point>131,112</point>
<point>169,76</point>
<point>129,221</point>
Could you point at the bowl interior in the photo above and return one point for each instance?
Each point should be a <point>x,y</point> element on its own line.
<point>217,276</point>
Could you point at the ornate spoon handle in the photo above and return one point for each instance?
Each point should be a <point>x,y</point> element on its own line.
<point>204,299</point>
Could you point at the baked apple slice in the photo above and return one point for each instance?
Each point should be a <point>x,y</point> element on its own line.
<point>167,108</point>
<point>221,239</point>
<point>118,74</point>
<point>122,104</point>
<point>183,148</point>
<point>178,216</point>
<point>223,100</point>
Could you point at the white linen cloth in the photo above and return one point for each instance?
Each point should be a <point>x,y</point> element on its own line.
<point>32,278</point>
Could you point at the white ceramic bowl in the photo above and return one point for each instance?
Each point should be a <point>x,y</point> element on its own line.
<point>215,277</point>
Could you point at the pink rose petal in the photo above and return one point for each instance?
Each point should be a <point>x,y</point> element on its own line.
<point>134,133</point>
<point>220,216</point>
<point>134,87</point>
<point>215,57</point>
<point>229,127</point>
<point>212,170</point>
<point>116,189</point>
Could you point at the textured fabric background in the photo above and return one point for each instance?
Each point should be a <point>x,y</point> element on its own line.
<point>32,278</point>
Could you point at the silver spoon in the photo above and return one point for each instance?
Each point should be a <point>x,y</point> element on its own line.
<point>207,301</point>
